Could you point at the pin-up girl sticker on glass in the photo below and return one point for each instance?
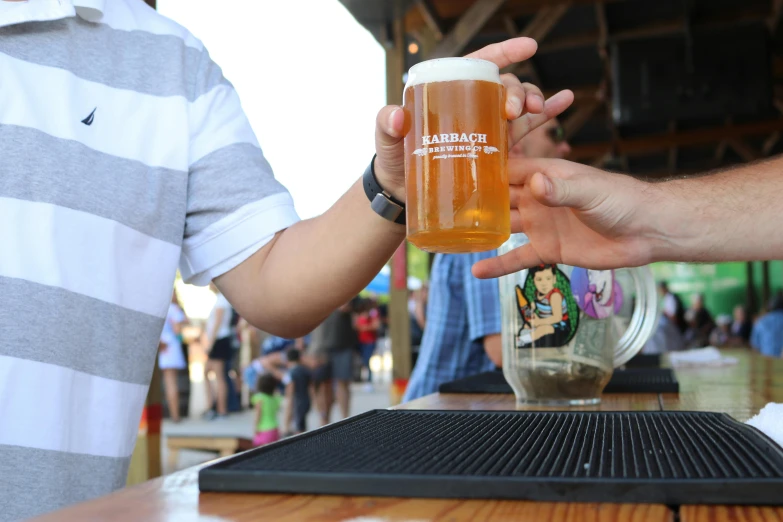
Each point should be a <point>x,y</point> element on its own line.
<point>597,292</point>
<point>549,312</point>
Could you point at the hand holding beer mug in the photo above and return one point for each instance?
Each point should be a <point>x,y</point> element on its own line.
<point>456,149</point>
<point>460,204</point>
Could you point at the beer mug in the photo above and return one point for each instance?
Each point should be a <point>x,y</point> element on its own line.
<point>456,150</point>
<point>565,329</point>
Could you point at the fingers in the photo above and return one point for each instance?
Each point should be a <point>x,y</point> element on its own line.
<point>521,97</point>
<point>389,125</point>
<point>552,108</point>
<point>505,53</point>
<point>534,102</point>
<point>521,169</point>
<point>515,195</point>
<point>516,221</point>
<point>514,261</point>
<point>557,183</point>
<point>578,192</point>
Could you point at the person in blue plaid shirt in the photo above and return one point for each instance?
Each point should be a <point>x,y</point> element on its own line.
<point>462,332</point>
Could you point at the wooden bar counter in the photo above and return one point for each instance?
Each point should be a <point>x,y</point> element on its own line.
<point>739,390</point>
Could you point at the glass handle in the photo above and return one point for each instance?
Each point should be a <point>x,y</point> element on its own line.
<point>644,319</point>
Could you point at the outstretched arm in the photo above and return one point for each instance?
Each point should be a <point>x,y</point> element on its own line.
<point>578,215</point>
<point>316,265</point>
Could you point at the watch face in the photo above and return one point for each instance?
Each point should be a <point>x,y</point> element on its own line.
<point>386,208</point>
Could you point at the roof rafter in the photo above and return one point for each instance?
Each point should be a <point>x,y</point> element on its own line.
<point>467,27</point>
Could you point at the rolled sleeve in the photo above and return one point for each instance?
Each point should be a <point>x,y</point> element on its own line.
<point>235,205</point>
<point>482,300</point>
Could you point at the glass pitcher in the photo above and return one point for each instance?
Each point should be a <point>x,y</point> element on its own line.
<point>566,328</point>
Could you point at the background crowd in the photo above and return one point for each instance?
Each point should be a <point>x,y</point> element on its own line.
<point>680,328</point>
<point>286,377</point>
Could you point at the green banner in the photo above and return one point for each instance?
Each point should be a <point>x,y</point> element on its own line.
<point>723,284</point>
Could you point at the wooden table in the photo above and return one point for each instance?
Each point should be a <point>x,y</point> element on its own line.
<point>224,446</point>
<point>739,390</point>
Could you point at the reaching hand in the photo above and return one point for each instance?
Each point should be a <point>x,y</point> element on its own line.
<point>525,109</point>
<point>578,215</point>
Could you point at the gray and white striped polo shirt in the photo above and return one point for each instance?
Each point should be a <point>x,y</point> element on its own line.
<point>124,153</point>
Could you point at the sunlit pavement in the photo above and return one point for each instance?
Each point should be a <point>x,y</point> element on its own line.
<point>241,424</point>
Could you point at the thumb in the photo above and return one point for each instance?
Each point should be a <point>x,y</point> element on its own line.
<point>389,126</point>
<point>578,192</point>
<point>390,162</point>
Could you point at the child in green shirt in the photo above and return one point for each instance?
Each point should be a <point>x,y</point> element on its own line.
<point>267,404</point>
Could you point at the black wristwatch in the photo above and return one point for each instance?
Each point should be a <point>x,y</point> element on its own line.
<point>383,203</point>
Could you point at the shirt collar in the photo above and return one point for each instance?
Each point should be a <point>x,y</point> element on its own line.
<point>90,10</point>
<point>45,10</point>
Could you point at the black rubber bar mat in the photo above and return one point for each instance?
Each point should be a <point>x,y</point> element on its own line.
<point>485,382</point>
<point>644,360</point>
<point>631,380</point>
<point>643,380</point>
<point>638,457</point>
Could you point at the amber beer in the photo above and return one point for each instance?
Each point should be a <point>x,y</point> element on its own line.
<point>455,156</point>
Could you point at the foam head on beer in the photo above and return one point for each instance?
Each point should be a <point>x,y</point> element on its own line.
<point>453,69</point>
<point>456,152</point>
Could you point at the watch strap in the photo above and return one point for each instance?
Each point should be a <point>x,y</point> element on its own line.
<point>382,203</point>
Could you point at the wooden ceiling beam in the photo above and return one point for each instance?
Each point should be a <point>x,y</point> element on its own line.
<point>720,151</point>
<point>600,161</point>
<point>529,70</point>
<point>770,143</point>
<point>467,27</point>
<point>575,41</point>
<point>742,148</point>
<point>451,9</point>
<point>539,27</point>
<point>661,142</point>
<point>603,28</point>
<point>774,16</point>
<point>589,38</point>
<point>511,26</point>
<point>603,55</point>
<point>675,26</point>
<point>672,160</point>
<point>582,95</point>
<point>544,21</point>
<point>526,68</point>
<point>520,8</point>
<point>580,116</point>
<point>431,18</point>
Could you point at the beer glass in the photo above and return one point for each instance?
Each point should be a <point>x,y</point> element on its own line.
<point>456,150</point>
<point>566,328</point>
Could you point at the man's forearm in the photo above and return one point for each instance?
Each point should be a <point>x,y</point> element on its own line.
<point>727,216</point>
<point>493,346</point>
<point>310,269</point>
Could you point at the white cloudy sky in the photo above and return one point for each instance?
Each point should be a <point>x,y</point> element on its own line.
<point>311,80</point>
